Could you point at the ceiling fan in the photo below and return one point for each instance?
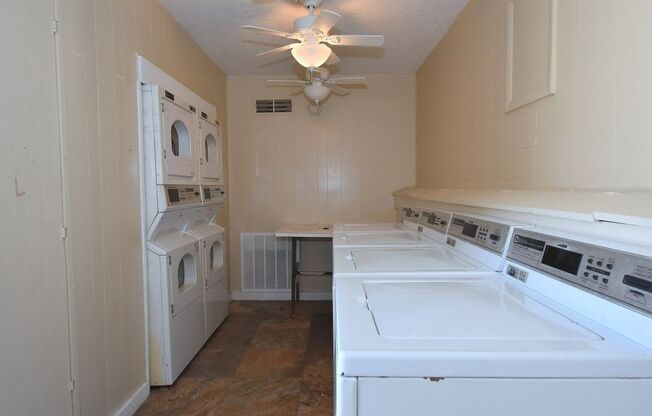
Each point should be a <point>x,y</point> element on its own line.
<point>319,84</point>
<point>311,32</point>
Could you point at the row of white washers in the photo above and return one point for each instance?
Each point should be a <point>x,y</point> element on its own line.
<point>183,193</point>
<point>461,314</point>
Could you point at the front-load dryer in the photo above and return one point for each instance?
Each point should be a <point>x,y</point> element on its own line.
<point>170,137</point>
<point>176,306</point>
<point>210,159</point>
<point>215,282</point>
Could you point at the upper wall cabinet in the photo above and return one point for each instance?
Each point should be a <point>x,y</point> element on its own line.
<point>531,51</point>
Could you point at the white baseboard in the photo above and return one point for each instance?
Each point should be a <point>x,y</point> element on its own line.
<point>278,295</point>
<point>130,407</point>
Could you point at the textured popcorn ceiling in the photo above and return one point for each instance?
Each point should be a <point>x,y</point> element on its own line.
<point>412,28</point>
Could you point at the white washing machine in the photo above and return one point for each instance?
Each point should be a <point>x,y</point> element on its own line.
<point>462,252</point>
<point>409,221</point>
<point>566,329</point>
<point>170,137</point>
<point>210,159</point>
<point>212,249</point>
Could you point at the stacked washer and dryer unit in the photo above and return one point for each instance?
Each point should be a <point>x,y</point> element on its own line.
<point>183,194</point>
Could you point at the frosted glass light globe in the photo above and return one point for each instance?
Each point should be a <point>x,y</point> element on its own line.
<point>311,54</point>
<point>316,91</point>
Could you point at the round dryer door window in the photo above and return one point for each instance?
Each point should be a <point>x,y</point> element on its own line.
<point>210,149</point>
<point>186,273</point>
<point>180,139</point>
<point>216,257</point>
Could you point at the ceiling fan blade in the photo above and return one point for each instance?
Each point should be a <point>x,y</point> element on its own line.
<point>347,80</point>
<point>332,59</point>
<point>268,31</point>
<point>280,49</point>
<point>288,82</point>
<point>338,90</point>
<point>356,40</point>
<point>325,21</point>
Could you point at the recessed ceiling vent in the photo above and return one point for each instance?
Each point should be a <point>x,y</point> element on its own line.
<point>280,105</point>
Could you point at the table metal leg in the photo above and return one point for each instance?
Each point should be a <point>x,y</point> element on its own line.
<point>293,287</point>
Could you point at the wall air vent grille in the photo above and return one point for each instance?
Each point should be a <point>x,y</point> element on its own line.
<point>283,106</point>
<point>270,106</point>
<point>266,262</point>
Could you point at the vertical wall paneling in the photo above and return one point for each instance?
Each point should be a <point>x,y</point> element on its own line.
<point>340,166</point>
<point>593,133</point>
<point>99,43</point>
<point>34,340</point>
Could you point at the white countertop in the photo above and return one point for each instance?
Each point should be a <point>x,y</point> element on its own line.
<point>305,230</point>
<point>628,207</point>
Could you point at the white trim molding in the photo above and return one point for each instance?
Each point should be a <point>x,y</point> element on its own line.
<point>132,404</point>
<point>542,87</point>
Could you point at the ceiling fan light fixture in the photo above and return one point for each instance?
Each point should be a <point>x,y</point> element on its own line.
<point>311,54</point>
<point>317,91</point>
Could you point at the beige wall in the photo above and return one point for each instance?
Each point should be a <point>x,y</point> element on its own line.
<point>99,42</point>
<point>593,133</point>
<point>340,166</point>
<point>34,362</point>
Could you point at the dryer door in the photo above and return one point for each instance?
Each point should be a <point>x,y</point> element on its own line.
<point>214,259</point>
<point>185,276</point>
<point>179,141</point>
<point>210,160</point>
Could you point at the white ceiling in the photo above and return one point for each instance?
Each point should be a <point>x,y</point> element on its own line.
<point>412,28</point>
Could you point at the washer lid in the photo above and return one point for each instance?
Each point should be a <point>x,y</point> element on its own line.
<point>369,227</point>
<point>466,310</point>
<point>408,259</point>
<point>405,238</point>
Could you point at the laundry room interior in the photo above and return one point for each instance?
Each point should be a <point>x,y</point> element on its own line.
<point>327,207</point>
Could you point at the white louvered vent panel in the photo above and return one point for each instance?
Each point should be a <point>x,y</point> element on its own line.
<point>259,261</point>
<point>283,106</point>
<point>271,106</point>
<point>265,262</point>
<point>247,254</point>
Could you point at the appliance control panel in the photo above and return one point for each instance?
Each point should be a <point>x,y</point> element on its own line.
<point>435,220</point>
<point>620,276</point>
<point>213,193</point>
<point>181,195</point>
<point>410,214</point>
<point>485,233</point>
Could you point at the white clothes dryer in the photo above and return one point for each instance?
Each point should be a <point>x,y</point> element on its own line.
<point>214,278</point>
<point>170,137</point>
<point>210,159</point>
<point>176,311</point>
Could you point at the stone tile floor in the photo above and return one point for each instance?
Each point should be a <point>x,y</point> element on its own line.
<point>259,362</point>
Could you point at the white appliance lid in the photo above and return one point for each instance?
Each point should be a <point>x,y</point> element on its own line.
<point>370,227</point>
<point>389,238</point>
<point>414,259</point>
<point>466,310</point>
